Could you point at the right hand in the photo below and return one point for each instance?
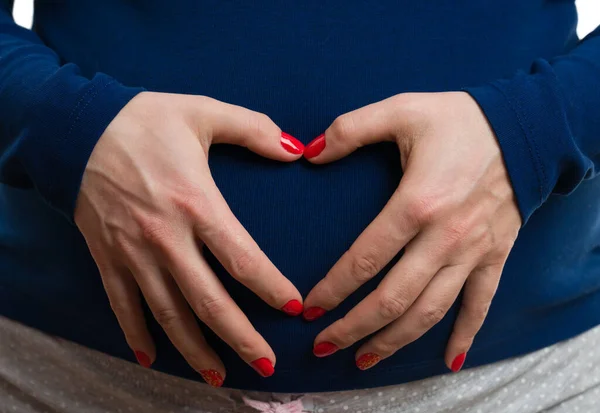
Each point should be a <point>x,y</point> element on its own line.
<point>146,206</point>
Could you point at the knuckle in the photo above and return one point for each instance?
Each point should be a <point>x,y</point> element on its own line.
<point>455,233</point>
<point>343,126</point>
<point>363,268</point>
<point>195,107</point>
<point>423,209</point>
<point>124,245</point>
<point>415,272</point>
<point>155,231</point>
<point>487,239</point>
<point>504,247</point>
<point>168,318</point>
<point>258,124</point>
<point>210,308</point>
<point>275,295</point>
<point>264,120</point>
<point>246,346</point>
<point>400,100</point>
<point>244,266</point>
<point>121,241</point>
<point>190,202</point>
<point>476,311</point>
<point>203,100</point>
<point>391,306</point>
<point>430,316</point>
<point>344,336</point>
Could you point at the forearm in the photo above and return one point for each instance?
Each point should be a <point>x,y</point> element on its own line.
<point>547,121</point>
<point>51,116</point>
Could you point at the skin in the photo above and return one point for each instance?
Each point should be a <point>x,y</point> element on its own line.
<point>454,213</point>
<point>148,204</point>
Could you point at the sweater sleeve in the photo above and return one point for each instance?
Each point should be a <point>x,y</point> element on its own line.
<point>547,121</point>
<point>51,116</point>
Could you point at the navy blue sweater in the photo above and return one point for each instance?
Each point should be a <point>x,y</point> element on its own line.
<point>304,63</point>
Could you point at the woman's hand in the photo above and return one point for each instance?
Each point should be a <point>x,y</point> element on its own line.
<point>146,206</point>
<point>454,213</point>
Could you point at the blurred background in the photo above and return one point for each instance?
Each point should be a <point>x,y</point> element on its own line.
<point>589,14</point>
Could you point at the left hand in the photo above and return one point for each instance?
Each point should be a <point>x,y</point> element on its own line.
<point>454,213</point>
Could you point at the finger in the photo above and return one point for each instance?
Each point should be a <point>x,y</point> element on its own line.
<point>431,306</point>
<point>256,131</point>
<point>215,307</point>
<point>390,300</point>
<point>379,243</point>
<point>237,251</point>
<point>477,296</point>
<point>124,297</point>
<point>370,124</point>
<point>174,316</point>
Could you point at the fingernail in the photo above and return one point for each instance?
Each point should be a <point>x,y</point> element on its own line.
<point>293,308</point>
<point>312,313</point>
<point>315,147</point>
<point>325,349</point>
<point>263,366</point>
<point>367,360</point>
<point>291,144</point>
<point>143,359</point>
<point>458,362</point>
<point>212,377</point>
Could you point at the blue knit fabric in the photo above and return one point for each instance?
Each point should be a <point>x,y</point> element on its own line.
<point>303,64</point>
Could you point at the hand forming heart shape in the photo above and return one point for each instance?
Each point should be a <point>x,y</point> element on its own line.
<point>144,208</point>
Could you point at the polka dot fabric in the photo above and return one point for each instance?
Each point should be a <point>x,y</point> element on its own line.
<point>42,374</point>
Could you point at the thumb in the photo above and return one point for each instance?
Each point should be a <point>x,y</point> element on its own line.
<point>256,131</point>
<point>370,124</point>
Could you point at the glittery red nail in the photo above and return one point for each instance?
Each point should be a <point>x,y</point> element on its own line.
<point>367,360</point>
<point>212,377</point>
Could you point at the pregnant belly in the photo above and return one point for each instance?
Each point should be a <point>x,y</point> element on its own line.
<point>304,217</point>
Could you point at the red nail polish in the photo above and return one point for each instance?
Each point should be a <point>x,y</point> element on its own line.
<point>458,362</point>
<point>315,147</point>
<point>293,308</point>
<point>291,144</point>
<point>367,360</point>
<point>263,366</point>
<point>325,349</point>
<point>143,359</point>
<point>312,313</point>
<point>212,377</point>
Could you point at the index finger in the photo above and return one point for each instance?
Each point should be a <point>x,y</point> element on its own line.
<point>379,243</point>
<point>241,256</point>
<point>390,300</point>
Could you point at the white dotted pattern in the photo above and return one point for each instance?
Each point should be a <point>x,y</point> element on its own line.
<point>38,371</point>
